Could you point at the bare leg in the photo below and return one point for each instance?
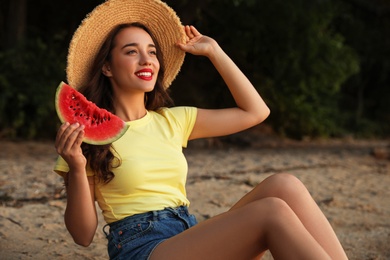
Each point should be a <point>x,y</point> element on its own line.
<point>291,190</point>
<point>244,233</point>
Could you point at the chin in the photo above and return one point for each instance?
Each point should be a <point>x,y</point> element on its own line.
<point>149,89</point>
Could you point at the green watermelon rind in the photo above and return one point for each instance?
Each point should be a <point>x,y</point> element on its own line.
<point>86,139</point>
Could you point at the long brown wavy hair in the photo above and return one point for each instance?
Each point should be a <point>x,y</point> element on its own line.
<point>101,158</point>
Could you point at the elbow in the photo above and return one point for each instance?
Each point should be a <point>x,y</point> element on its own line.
<point>262,115</point>
<point>266,112</point>
<point>81,236</point>
<point>86,242</point>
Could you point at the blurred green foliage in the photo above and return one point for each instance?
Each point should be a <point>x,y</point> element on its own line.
<point>316,63</point>
<point>322,66</point>
<point>29,74</point>
<point>365,96</point>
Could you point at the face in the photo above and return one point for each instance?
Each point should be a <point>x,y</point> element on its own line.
<point>133,66</point>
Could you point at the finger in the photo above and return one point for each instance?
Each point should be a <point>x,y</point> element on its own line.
<point>60,132</point>
<point>72,137</point>
<point>194,31</point>
<point>185,34</point>
<point>80,136</point>
<point>62,143</point>
<point>189,32</point>
<point>61,137</point>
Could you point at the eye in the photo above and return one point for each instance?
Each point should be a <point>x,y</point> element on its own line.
<point>131,52</point>
<point>153,52</point>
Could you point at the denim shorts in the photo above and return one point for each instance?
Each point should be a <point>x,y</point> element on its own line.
<point>136,237</point>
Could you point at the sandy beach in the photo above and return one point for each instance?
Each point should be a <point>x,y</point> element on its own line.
<point>349,180</point>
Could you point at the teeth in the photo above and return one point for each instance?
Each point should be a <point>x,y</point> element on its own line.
<point>144,74</point>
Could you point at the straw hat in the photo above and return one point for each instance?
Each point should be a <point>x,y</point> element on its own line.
<point>157,16</point>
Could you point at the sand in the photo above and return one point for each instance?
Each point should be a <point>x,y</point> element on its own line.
<point>349,180</point>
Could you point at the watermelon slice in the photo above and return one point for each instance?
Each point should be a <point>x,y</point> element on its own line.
<point>101,126</point>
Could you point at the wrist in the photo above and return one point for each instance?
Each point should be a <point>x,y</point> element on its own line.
<point>216,53</point>
<point>77,169</point>
<point>213,53</point>
<point>74,174</point>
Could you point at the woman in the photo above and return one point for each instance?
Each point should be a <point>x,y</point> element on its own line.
<point>139,180</point>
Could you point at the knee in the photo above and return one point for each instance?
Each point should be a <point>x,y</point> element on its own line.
<point>284,185</point>
<point>272,211</point>
<point>284,179</point>
<point>270,206</point>
<point>276,206</point>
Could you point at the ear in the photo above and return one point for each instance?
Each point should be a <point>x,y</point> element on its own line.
<point>106,70</point>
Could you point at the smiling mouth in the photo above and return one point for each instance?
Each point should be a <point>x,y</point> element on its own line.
<point>144,74</point>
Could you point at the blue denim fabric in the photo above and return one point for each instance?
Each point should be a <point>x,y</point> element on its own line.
<point>136,237</point>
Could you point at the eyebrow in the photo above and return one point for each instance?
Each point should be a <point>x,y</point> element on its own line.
<point>136,44</point>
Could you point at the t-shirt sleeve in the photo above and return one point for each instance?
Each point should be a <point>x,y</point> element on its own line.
<point>186,116</point>
<point>62,168</point>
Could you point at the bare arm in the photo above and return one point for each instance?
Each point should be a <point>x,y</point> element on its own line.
<point>80,214</point>
<point>250,110</point>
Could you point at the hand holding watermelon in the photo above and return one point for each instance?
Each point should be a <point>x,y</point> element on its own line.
<point>100,126</point>
<point>68,145</point>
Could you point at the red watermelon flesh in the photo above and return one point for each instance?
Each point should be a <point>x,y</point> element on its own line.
<point>101,126</point>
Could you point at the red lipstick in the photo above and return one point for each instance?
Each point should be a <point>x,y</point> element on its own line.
<point>145,74</point>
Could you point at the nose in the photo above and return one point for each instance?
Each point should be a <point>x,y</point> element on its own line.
<point>145,59</point>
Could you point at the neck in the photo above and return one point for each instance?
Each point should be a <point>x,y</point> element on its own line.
<point>130,107</point>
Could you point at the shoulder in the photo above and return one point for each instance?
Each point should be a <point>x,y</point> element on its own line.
<point>179,112</point>
<point>181,117</point>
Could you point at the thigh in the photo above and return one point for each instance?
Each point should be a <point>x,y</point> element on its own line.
<point>283,186</point>
<point>232,235</point>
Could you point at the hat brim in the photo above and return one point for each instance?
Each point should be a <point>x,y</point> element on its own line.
<point>157,16</point>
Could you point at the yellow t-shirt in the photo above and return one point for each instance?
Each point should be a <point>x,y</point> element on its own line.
<point>153,169</point>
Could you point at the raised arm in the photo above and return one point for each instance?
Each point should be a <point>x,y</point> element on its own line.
<point>251,109</point>
<point>80,214</point>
